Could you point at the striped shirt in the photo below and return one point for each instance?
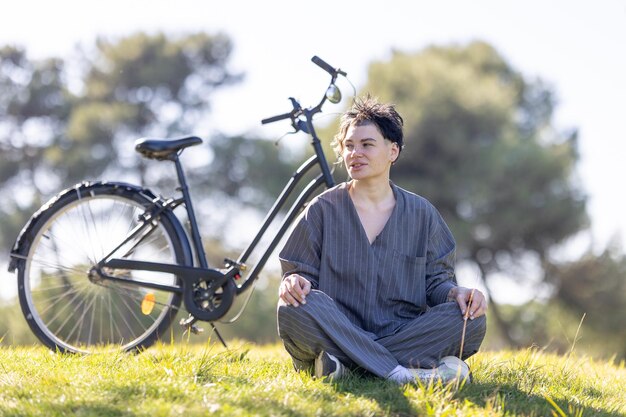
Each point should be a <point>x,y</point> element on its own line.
<point>382,285</point>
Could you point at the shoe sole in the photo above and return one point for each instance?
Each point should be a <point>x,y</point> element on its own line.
<point>320,372</point>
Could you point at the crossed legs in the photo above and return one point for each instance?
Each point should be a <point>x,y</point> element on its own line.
<point>320,325</point>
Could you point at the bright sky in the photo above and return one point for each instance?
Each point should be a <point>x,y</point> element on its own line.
<point>575,45</point>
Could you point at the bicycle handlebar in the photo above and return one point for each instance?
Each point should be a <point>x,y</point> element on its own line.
<point>276,118</point>
<point>327,67</point>
<point>297,110</point>
<point>319,62</point>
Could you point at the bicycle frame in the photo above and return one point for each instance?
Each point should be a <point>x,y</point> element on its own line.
<point>192,273</point>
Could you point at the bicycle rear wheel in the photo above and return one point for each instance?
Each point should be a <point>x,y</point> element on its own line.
<point>72,311</point>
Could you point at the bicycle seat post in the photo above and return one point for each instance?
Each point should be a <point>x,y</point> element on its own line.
<point>193,224</point>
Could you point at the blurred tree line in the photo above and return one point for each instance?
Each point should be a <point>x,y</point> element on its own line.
<point>481,145</point>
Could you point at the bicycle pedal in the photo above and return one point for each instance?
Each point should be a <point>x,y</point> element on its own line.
<point>195,329</point>
<point>190,326</point>
<point>186,322</point>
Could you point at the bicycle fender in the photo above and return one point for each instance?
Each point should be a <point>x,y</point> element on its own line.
<point>19,249</point>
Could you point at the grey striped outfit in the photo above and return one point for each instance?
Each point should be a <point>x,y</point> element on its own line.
<point>374,306</point>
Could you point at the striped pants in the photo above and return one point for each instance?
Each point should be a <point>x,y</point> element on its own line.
<point>320,325</point>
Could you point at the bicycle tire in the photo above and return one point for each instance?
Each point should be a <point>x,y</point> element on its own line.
<point>70,312</point>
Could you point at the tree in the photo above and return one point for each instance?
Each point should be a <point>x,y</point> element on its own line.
<point>480,145</point>
<point>58,129</point>
<point>250,171</point>
<point>595,286</point>
<point>33,108</point>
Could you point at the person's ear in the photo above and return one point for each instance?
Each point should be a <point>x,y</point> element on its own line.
<point>395,152</point>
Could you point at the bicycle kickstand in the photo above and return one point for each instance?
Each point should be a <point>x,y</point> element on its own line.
<point>219,336</point>
<point>190,326</point>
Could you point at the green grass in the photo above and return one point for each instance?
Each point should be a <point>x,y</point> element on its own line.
<point>187,380</point>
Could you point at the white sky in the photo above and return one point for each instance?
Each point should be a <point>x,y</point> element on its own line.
<point>577,46</point>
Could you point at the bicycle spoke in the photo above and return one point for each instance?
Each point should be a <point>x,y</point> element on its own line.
<point>57,298</point>
<point>96,229</point>
<point>133,314</point>
<point>156,302</point>
<point>68,304</point>
<point>51,288</point>
<point>91,323</point>
<point>80,321</point>
<point>59,262</point>
<point>91,256</point>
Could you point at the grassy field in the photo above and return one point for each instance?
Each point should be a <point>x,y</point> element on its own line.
<point>187,380</point>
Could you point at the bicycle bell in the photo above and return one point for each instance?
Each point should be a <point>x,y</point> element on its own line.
<point>333,94</point>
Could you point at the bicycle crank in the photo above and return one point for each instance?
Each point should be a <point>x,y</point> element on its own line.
<point>207,300</point>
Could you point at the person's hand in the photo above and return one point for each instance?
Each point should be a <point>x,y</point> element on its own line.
<point>474,308</point>
<point>293,290</point>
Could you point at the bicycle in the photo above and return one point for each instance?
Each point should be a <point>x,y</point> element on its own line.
<point>109,263</point>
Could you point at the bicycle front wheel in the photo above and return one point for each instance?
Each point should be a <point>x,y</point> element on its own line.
<point>71,310</point>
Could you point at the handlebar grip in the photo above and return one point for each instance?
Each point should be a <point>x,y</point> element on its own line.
<point>325,66</point>
<point>276,118</point>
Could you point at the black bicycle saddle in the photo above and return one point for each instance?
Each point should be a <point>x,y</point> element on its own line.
<point>164,148</point>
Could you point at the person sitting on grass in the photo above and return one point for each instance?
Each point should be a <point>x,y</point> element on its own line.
<point>368,271</point>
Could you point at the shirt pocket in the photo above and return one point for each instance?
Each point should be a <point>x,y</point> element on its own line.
<point>405,280</point>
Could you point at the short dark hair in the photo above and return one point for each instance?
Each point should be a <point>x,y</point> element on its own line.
<point>369,110</point>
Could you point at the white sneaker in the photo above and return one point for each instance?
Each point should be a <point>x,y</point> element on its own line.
<point>450,368</point>
<point>401,375</point>
<point>328,366</point>
<point>425,375</point>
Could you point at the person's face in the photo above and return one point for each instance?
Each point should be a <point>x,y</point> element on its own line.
<point>366,153</point>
